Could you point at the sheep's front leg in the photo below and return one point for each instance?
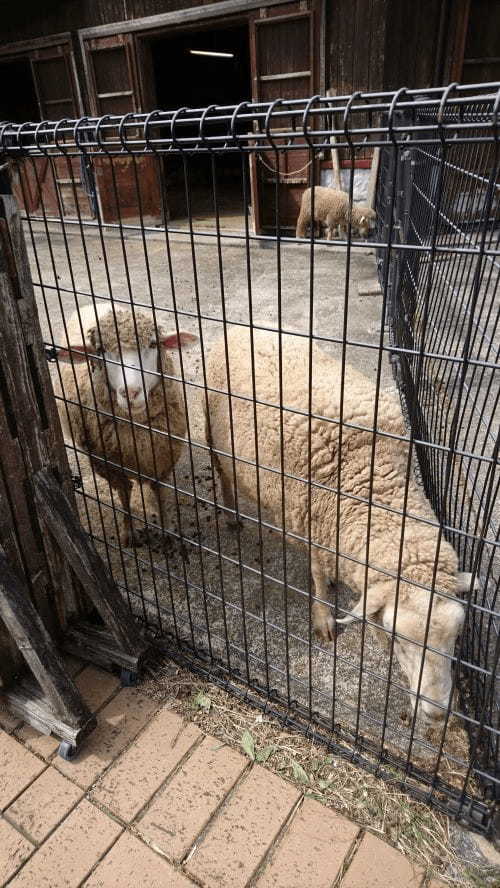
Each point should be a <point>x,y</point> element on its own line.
<point>228,497</point>
<point>123,488</point>
<point>331,226</point>
<point>146,507</point>
<point>323,621</point>
<point>302,223</point>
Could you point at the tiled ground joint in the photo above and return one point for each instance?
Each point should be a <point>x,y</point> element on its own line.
<point>151,800</point>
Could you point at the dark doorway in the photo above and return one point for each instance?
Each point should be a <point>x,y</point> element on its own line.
<point>18,100</point>
<point>184,78</point>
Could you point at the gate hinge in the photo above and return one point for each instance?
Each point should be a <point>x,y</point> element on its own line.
<point>77,482</point>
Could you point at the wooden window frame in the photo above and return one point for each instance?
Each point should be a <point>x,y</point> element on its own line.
<point>27,49</point>
<point>96,44</point>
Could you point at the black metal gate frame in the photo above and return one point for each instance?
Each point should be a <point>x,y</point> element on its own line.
<point>409,126</point>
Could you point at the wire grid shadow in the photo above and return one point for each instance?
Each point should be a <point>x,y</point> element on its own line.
<point>263,444</point>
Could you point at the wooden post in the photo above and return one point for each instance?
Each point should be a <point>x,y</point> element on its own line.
<point>372,182</point>
<point>46,559</point>
<point>337,181</point>
<point>29,423</point>
<point>37,647</point>
<point>62,523</point>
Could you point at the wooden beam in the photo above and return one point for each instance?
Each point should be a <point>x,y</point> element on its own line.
<point>26,701</point>
<point>37,647</point>
<point>29,421</point>
<point>178,17</point>
<point>97,645</point>
<point>24,47</point>
<point>60,520</point>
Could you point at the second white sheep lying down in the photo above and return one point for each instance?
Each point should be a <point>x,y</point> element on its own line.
<point>331,208</point>
<point>420,539</point>
<point>126,413</point>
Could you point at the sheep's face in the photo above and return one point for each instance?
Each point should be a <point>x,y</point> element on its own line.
<point>132,376</point>
<point>366,223</point>
<point>135,373</point>
<point>132,373</point>
<point>436,683</point>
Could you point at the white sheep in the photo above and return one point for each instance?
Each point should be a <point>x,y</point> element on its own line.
<point>124,384</point>
<point>331,208</point>
<point>353,478</point>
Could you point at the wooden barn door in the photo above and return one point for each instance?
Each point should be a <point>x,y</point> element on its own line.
<point>114,89</point>
<point>56,182</point>
<point>284,44</point>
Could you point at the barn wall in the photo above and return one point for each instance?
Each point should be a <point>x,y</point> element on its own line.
<point>369,44</point>
<point>355,45</point>
<point>411,43</point>
<point>32,18</point>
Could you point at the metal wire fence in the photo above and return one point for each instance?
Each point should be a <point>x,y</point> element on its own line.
<point>242,457</point>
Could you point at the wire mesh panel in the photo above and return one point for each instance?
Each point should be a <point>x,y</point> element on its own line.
<point>272,509</point>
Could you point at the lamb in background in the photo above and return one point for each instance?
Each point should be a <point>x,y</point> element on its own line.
<point>132,432</point>
<point>331,208</point>
<point>420,539</point>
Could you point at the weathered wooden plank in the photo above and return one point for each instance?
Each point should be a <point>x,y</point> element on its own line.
<point>37,647</point>
<point>11,660</point>
<point>24,549</point>
<point>28,389</point>
<point>15,367</point>
<point>59,518</point>
<point>27,702</point>
<point>16,526</point>
<point>33,340</point>
<point>97,645</point>
<point>179,17</point>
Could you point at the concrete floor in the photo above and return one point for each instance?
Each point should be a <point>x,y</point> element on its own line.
<point>336,681</point>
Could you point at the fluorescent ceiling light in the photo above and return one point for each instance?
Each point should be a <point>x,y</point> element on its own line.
<point>208,52</point>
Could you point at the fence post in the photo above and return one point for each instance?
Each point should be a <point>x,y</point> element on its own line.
<point>29,424</point>
<point>42,576</point>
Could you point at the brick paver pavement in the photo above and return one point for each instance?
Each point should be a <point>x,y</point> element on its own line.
<point>152,801</point>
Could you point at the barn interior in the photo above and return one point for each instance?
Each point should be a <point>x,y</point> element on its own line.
<point>195,69</point>
<point>18,103</point>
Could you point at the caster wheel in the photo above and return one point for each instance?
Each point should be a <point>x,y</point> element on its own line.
<point>128,678</point>
<point>66,750</point>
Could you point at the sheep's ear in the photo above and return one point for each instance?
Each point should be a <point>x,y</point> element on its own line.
<point>180,340</point>
<point>77,354</point>
<point>363,219</point>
